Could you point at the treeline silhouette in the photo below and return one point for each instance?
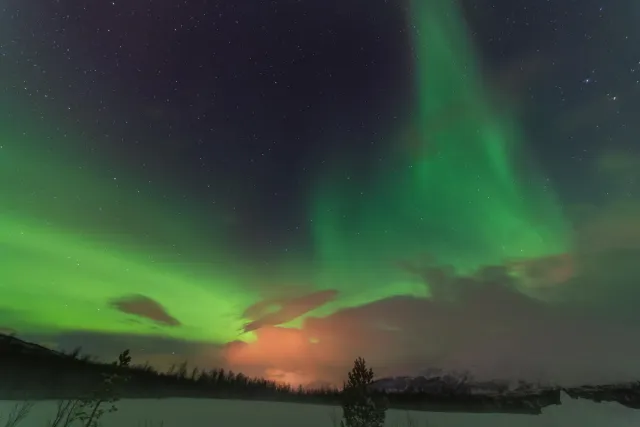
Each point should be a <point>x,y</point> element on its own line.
<point>32,372</point>
<point>36,372</point>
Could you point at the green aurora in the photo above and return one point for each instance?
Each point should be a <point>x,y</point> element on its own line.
<point>64,260</point>
<point>467,202</point>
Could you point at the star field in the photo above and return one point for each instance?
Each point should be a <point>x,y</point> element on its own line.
<point>176,171</point>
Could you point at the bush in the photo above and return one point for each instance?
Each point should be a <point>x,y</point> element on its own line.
<point>88,410</point>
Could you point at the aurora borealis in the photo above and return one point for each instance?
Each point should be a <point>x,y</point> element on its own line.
<point>496,212</point>
<point>280,213</point>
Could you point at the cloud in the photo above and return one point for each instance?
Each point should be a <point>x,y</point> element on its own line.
<point>145,307</point>
<point>551,270</point>
<point>615,227</point>
<point>485,324</point>
<point>277,311</point>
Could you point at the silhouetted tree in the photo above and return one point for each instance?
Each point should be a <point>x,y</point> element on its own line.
<point>182,370</point>
<point>359,408</point>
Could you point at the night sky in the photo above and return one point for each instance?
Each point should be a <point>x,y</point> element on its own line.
<point>278,187</point>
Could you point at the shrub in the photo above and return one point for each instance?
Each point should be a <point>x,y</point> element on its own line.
<point>88,410</point>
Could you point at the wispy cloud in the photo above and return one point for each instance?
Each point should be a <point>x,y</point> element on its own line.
<point>145,307</point>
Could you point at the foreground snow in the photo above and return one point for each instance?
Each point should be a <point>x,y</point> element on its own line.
<point>235,413</point>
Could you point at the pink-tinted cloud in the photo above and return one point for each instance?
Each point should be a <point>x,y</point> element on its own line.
<point>489,327</point>
<point>271,312</point>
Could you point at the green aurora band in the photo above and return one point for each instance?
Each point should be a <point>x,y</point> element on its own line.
<point>465,203</point>
<point>65,255</point>
<point>468,202</point>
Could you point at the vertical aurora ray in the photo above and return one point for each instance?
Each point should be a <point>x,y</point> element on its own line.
<point>470,198</point>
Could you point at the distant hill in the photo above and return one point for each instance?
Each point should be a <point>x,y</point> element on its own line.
<point>11,345</point>
<point>540,396</point>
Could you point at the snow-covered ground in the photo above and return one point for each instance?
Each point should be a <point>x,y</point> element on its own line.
<point>234,413</point>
